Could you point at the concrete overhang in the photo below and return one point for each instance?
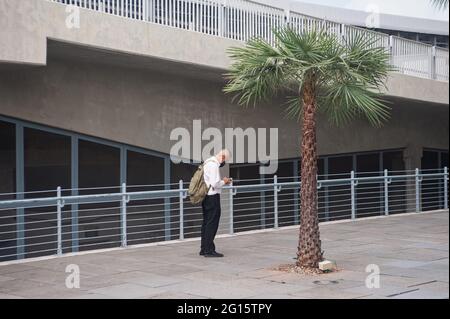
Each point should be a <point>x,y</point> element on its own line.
<point>418,89</point>
<point>27,26</point>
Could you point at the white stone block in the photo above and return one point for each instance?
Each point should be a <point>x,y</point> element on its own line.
<point>327,265</point>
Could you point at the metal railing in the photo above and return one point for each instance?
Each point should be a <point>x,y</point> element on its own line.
<point>55,222</point>
<point>243,20</point>
<point>413,58</point>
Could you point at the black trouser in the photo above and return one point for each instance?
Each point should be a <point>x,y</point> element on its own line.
<point>211,217</point>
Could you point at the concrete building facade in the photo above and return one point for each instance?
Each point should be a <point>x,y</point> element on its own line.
<point>93,105</point>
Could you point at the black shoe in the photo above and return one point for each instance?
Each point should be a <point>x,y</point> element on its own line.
<point>213,255</point>
<point>202,253</point>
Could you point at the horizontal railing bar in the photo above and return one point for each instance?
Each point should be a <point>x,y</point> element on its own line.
<point>91,199</point>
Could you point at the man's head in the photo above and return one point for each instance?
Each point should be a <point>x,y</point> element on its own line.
<point>223,156</point>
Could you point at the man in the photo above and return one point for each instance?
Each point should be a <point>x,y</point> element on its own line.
<point>211,203</point>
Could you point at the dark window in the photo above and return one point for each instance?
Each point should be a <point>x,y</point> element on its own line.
<point>288,204</point>
<point>321,167</point>
<point>408,35</point>
<point>47,160</point>
<point>433,161</point>
<point>192,214</point>
<point>249,209</point>
<point>145,218</point>
<point>7,190</point>
<point>340,165</point>
<point>145,170</point>
<point>182,171</point>
<point>442,41</point>
<point>339,197</point>
<point>369,194</point>
<point>444,159</point>
<point>368,164</point>
<point>7,158</point>
<point>430,160</point>
<point>427,38</point>
<point>99,165</point>
<point>398,200</point>
<point>99,173</point>
<point>393,161</point>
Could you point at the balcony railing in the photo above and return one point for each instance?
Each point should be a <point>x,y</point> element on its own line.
<point>46,223</point>
<point>243,20</point>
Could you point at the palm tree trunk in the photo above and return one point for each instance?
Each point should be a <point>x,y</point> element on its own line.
<point>309,247</point>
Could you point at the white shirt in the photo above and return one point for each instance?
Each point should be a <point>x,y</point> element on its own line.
<point>211,175</point>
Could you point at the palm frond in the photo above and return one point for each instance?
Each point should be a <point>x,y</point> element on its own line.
<point>293,108</point>
<point>440,4</point>
<point>343,102</point>
<point>258,72</point>
<point>366,60</point>
<point>348,75</point>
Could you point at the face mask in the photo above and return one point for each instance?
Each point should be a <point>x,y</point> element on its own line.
<point>223,164</point>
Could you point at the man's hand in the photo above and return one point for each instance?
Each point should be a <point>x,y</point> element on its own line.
<point>227,180</point>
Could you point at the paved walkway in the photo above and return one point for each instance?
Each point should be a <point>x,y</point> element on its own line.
<point>411,252</point>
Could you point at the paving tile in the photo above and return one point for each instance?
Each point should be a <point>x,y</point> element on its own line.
<point>175,295</point>
<point>41,276</point>
<point>5,278</point>
<point>97,282</point>
<point>127,291</point>
<point>405,264</point>
<point>9,269</point>
<point>6,296</point>
<point>422,294</point>
<point>90,296</point>
<point>16,286</point>
<point>327,293</point>
<point>412,252</point>
<point>147,279</point>
<point>216,291</point>
<point>47,292</point>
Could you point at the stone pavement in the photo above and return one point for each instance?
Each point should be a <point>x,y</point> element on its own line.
<point>411,252</point>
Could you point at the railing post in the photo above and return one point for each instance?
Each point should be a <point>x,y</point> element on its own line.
<point>275,201</point>
<point>391,49</point>
<point>123,215</point>
<point>222,18</point>
<point>20,191</point>
<point>230,204</point>
<point>446,188</point>
<point>386,192</point>
<point>181,210</point>
<point>418,180</point>
<point>287,17</point>
<point>433,63</point>
<point>343,27</point>
<point>353,194</point>
<point>262,180</point>
<point>60,205</point>
<point>144,16</point>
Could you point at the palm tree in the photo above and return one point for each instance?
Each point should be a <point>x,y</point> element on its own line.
<point>440,4</point>
<point>341,78</point>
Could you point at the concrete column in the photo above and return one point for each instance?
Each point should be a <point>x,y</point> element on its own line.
<point>413,159</point>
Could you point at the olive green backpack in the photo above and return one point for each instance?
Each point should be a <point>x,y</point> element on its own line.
<point>198,188</point>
